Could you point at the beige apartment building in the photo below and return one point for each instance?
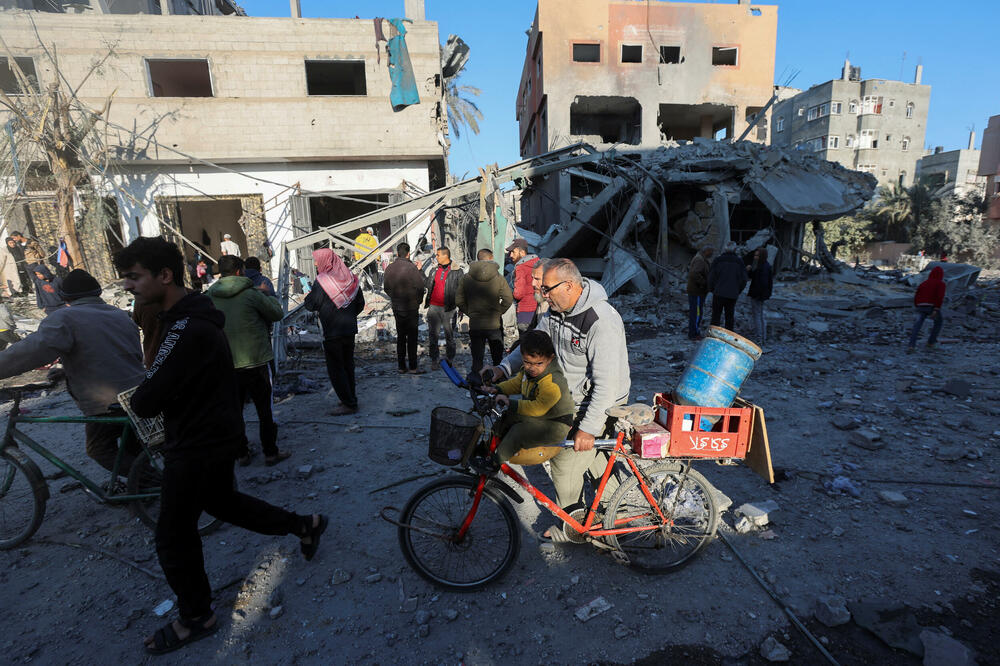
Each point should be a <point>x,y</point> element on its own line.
<point>263,128</point>
<point>633,75</point>
<point>871,125</point>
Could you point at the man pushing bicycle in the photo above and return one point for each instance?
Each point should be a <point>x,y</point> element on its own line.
<point>99,347</point>
<point>589,340</point>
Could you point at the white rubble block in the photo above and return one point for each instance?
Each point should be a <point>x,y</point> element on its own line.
<point>593,609</point>
<point>758,513</point>
<point>941,650</point>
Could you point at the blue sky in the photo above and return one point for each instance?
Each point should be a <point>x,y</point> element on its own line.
<point>954,41</point>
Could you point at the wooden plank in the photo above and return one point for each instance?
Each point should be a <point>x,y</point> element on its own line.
<point>759,454</point>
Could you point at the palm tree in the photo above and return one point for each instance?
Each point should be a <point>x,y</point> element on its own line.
<point>462,111</point>
<point>895,207</point>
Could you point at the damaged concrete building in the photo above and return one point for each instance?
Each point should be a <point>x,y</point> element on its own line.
<point>224,123</point>
<point>952,172</point>
<point>872,125</point>
<point>635,75</point>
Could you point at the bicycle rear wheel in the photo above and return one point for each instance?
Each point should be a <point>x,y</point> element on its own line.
<point>432,517</point>
<point>145,477</point>
<point>686,501</point>
<point>22,498</point>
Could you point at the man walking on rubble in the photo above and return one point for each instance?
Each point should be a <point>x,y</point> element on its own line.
<point>523,294</point>
<point>928,302</point>
<point>442,284</point>
<point>193,383</point>
<point>726,279</point>
<point>404,284</point>
<point>484,296</point>
<point>761,285</point>
<point>101,355</point>
<point>589,340</point>
<point>697,289</point>
<point>250,313</point>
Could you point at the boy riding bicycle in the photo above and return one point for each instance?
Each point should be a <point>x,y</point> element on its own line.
<point>542,416</point>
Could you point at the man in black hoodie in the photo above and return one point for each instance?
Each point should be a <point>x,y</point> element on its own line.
<point>192,382</point>
<point>726,279</point>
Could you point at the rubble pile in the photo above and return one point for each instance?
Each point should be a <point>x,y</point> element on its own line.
<point>634,215</point>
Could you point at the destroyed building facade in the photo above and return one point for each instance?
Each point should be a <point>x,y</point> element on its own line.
<point>989,167</point>
<point>223,124</point>
<point>633,76</point>
<point>872,125</point>
<point>952,172</point>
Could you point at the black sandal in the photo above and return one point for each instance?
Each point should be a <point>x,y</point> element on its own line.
<point>166,639</point>
<point>313,534</point>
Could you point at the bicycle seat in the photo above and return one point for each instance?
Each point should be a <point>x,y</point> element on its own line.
<point>636,414</point>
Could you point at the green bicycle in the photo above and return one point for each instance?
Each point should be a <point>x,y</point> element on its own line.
<point>24,491</point>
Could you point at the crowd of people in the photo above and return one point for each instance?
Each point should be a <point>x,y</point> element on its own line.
<point>201,356</point>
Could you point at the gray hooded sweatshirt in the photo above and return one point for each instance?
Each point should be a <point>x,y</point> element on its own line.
<point>99,347</point>
<point>590,347</point>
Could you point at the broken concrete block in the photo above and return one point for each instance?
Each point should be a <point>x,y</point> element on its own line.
<point>893,623</point>
<point>951,453</point>
<point>758,513</point>
<point>866,439</point>
<point>818,326</point>
<point>772,650</point>
<point>305,471</point>
<point>831,610</point>
<point>957,387</point>
<point>844,422</point>
<point>941,650</point>
<point>593,609</point>
<point>893,498</point>
<point>743,526</point>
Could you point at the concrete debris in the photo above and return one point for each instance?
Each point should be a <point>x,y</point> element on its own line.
<point>702,183</point>
<point>957,387</point>
<point>772,650</point>
<point>894,498</point>
<point>758,513</point>
<point>959,278</point>
<point>942,650</point>
<point>893,623</point>
<point>831,610</point>
<point>866,438</point>
<point>593,609</point>
<point>841,485</point>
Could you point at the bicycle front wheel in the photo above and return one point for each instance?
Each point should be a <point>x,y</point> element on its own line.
<point>688,505</point>
<point>433,516</point>
<point>22,498</point>
<point>144,479</point>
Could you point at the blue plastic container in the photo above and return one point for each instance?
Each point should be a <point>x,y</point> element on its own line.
<point>721,363</point>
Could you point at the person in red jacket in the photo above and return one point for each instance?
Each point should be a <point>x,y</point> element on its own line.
<point>928,301</point>
<point>524,294</point>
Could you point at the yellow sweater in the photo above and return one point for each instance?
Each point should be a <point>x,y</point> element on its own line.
<point>546,396</point>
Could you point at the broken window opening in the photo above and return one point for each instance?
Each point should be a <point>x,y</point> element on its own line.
<point>336,77</point>
<point>849,140</point>
<point>613,119</point>
<point>868,139</point>
<point>779,124</point>
<point>836,108</point>
<point>754,11</point>
<point>179,78</point>
<point>909,109</point>
<point>906,143</point>
<point>871,104</point>
<point>902,178</point>
<point>852,106</point>
<point>684,122</point>
<point>725,56</point>
<point>8,81</point>
<point>670,55</point>
<point>631,53</point>
<point>586,53</point>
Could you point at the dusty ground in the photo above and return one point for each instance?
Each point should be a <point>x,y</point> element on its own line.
<point>358,602</point>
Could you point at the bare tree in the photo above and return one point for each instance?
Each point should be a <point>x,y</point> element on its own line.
<point>62,129</point>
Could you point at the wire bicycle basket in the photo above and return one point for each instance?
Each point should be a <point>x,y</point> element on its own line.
<point>454,433</point>
<point>150,431</point>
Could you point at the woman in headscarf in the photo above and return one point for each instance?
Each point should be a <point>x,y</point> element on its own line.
<point>336,296</point>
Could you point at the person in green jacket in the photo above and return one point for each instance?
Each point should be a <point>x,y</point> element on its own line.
<point>249,316</point>
<point>484,296</point>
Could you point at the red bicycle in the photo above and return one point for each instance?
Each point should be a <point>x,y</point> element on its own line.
<point>461,532</point>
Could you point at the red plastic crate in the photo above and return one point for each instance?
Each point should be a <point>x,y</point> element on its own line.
<point>728,438</point>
